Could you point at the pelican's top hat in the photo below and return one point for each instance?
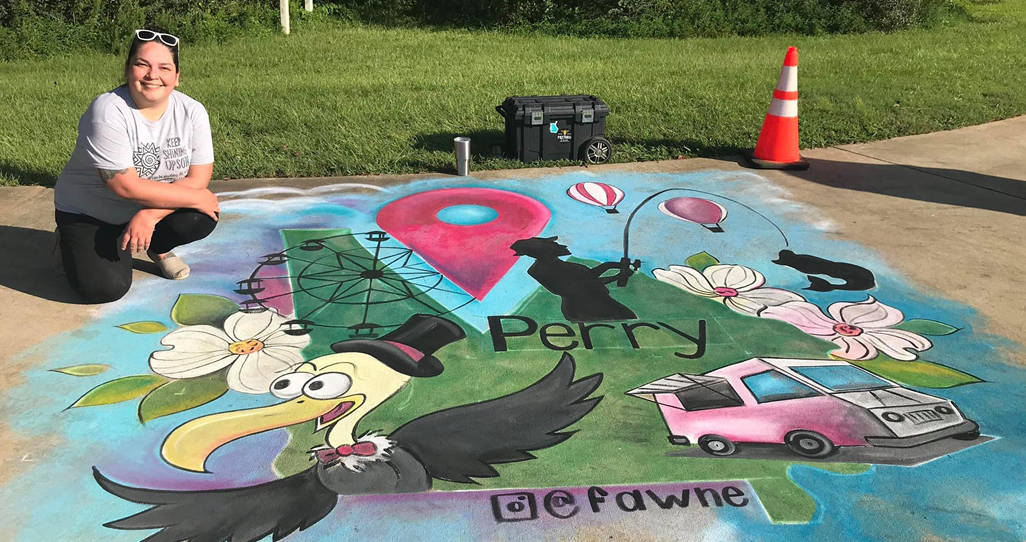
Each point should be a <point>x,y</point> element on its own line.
<point>408,349</point>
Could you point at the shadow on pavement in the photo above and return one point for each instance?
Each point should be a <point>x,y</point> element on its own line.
<point>878,455</point>
<point>31,265</point>
<point>938,185</point>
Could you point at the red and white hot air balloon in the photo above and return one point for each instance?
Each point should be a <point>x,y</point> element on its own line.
<point>598,194</point>
<point>708,213</point>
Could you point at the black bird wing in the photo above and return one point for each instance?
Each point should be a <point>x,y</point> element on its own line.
<point>244,514</point>
<point>464,441</point>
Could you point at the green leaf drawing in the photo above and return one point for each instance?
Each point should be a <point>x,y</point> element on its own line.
<point>199,309</point>
<point>919,373</point>
<point>144,327</point>
<point>181,395</point>
<point>89,369</point>
<point>701,260</point>
<point>926,327</point>
<point>120,389</point>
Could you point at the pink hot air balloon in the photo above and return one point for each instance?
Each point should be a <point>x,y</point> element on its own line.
<point>700,211</point>
<point>597,194</point>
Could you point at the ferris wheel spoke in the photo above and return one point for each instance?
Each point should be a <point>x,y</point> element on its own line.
<point>416,276</point>
<point>301,281</point>
<point>355,260</point>
<point>330,277</point>
<point>388,281</point>
<point>415,297</point>
<point>334,269</point>
<point>409,269</point>
<point>331,299</point>
<point>425,303</point>
<point>306,290</point>
<point>444,290</point>
<point>311,262</point>
<point>396,296</point>
<point>391,259</point>
<point>433,281</point>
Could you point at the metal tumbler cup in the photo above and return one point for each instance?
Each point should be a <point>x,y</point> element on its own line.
<point>462,155</point>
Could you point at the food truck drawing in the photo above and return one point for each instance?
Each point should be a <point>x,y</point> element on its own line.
<point>812,406</point>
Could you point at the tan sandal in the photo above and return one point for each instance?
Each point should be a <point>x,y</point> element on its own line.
<point>171,266</point>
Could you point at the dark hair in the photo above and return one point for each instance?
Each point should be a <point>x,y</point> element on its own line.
<point>137,43</point>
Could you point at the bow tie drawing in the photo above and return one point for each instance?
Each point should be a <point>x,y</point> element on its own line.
<point>328,455</point>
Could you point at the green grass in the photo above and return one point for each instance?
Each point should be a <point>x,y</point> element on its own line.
<point>344,100</point>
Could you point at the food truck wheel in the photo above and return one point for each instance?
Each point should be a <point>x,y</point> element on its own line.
<point>809,444</point>
<point>597,150</point>
<point>716,445</point>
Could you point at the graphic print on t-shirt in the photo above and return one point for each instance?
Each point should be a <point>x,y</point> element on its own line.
<point>146,159</point>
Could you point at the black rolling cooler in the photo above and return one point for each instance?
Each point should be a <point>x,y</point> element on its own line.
<point>567,127</point>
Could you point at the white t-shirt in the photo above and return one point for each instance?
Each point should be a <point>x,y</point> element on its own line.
<point>113,135</point>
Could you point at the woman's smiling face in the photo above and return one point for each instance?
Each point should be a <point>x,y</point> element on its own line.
<point>151,75</point>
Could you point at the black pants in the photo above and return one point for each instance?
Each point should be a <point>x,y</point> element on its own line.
<point>95,264</point>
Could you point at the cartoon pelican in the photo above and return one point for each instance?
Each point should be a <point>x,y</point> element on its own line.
<point>338,390</point>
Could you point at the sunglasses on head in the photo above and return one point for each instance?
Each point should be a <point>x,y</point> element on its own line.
<point>149,35</point>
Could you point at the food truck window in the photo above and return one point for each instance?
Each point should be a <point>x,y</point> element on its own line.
<point>706,395</point>
<point>842,377</point>
<point>776,386</point>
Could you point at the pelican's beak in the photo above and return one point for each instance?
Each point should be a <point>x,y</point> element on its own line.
<point>189,445</point>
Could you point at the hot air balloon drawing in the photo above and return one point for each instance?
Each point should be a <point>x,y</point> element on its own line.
<point>698,210</point>
<point>597,194</point>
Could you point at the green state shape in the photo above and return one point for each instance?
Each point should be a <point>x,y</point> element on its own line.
<point>623,440</point>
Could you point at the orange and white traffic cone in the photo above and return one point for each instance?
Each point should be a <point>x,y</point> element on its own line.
<point>777,147</point>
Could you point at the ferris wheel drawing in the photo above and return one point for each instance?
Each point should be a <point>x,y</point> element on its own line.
<point>339,282</point>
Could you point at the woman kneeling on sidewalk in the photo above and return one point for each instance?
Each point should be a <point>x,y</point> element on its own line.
<point>137,179</point>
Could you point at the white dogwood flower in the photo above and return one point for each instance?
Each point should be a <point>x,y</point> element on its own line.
<point>737,286</point>
<point>861,330</point>
<point>253,344</point>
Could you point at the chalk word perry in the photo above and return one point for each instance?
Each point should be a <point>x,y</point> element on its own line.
<point>561,504</point>
<point>569,338</point>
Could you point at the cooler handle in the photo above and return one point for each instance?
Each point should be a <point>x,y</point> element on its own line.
<point>500,110</point>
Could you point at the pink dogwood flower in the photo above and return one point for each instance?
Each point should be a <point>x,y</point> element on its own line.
<point>861,330</point>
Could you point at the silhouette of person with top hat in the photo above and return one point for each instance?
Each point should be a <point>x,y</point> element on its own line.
<point>583,290</point>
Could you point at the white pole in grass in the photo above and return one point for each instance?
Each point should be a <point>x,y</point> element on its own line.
<point>308,5</point>
<point>284,16</point>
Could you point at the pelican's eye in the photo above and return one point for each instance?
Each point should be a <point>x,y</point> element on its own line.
<point>328,386</point>
<point>289,386</point>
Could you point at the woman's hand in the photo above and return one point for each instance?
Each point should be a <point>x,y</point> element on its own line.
<point>206,203</point>
<point>139,230</point>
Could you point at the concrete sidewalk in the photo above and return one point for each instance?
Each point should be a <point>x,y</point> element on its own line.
<point>942,211</point>
<point>946,209</point>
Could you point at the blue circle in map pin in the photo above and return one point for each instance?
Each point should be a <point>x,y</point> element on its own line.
<point>467,215</point>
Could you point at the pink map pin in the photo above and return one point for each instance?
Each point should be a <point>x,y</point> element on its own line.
<point>465,233</point>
